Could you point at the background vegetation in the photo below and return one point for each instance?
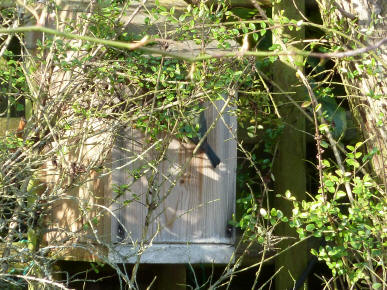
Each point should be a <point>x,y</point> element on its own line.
<point>318,73</point>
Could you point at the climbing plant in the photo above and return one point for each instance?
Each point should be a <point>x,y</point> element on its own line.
<point>83,79</point>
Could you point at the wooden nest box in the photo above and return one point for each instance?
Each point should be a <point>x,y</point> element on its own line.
<point>192,218</point>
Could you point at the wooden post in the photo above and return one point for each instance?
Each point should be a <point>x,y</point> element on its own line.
<point>289,167</point>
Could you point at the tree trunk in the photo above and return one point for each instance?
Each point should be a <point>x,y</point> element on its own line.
<point>289,166</point>
<point>364,76</point>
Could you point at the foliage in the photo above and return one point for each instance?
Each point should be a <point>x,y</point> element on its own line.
<point>353,233</point>
<point>103,88</point>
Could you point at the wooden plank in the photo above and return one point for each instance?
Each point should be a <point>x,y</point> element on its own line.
<point>96,188</point>
<point>175,254</point>
<point>201,204</point>
<point>78,210</point>
<point>74,210</point>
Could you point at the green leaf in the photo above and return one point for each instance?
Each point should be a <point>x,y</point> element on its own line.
<point>20,107</point>
<point>326,163</point>
<point>306,104</point>
<point>323,127</point>
<point>353,163</point>
<point>314,252</point>
<point>376,285</point>
<point>310,227</point>
<point>358,145</point>
<point>301,233</point>
<point>94,268</point>
<point>340,194</point>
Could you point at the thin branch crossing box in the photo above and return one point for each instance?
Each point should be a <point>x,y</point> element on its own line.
<point>191,221</point>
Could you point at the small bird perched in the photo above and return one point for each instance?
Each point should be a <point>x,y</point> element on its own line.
<point>214,159</point>
<point>21,126</point>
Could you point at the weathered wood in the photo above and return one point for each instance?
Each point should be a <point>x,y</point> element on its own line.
<point>366,94</point>
<point>195,253</point>
<point>78,209</point>
<point>201,203</point>
<point>76,212</point>
<point>289,165</point>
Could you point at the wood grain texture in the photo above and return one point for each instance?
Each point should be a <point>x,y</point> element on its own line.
<point>176,254</point>
<point>202,202</point>
<point>78,214</point>
<point>289,164</point>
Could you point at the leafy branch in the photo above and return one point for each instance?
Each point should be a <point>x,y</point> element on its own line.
<point>140,46</point>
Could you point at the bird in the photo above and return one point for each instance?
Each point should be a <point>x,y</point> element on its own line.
<point>21,126</point>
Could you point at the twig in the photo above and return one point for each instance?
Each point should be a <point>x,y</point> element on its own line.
<point>343,12</point>
<point>350,53</point>
<point>146,40</point>
<point>331,140</point>
<point>40,280</point>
